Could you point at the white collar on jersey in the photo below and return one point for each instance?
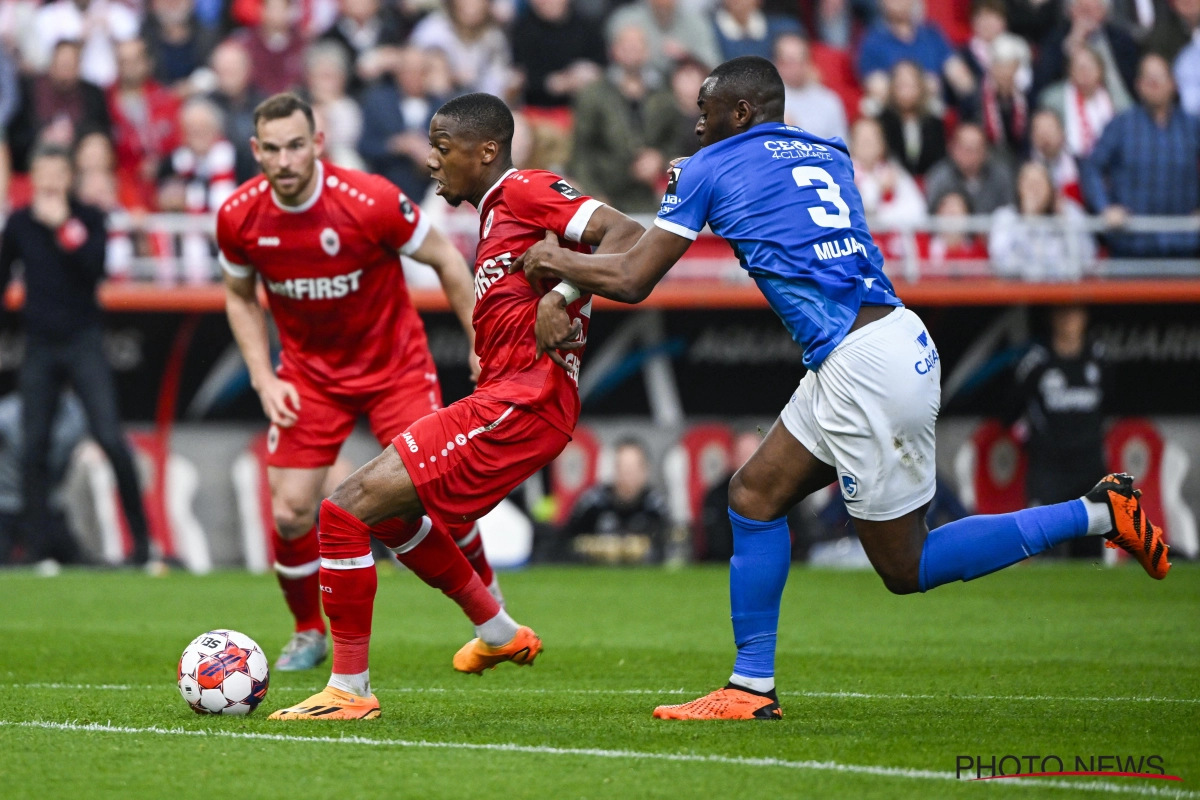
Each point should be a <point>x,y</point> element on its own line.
<point>311,201</point>
<point>483,200</point>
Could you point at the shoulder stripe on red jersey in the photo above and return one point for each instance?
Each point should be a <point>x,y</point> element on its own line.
<point>579,222</point>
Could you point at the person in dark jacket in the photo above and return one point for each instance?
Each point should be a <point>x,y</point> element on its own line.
<point>559,52</point>
<point>1059,390</point>
<point>61,244</point>
<point>1087,23</point>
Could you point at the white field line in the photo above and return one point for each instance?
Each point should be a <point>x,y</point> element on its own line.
<point>123,687</point>
<point>588,752</point>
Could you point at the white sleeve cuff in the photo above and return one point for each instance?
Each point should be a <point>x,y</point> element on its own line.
<point>234,270</point>
<point>418,237</point>
<point>579,222</point>
<point>676,228</point>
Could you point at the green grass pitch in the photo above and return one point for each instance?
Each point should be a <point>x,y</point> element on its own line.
<point>880,693</point>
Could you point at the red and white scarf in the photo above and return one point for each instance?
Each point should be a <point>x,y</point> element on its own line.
<point>1085,119</point>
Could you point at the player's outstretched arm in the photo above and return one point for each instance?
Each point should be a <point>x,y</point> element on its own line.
<point>249,324</point>
<point>438,252</point>
<point>627,277</point>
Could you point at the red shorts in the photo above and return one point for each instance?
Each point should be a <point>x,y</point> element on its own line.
<point>327,419</point>
<point>466,458</point>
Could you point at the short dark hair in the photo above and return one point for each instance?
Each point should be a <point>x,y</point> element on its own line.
<point>482,115</point>
<point>51,150</point>
<point>282,106</point>
<point>750,78</point>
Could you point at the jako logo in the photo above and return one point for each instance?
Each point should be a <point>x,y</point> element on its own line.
<point>408,439</point>
<point>849,486</point>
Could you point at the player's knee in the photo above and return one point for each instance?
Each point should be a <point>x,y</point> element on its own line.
<point>900,579</point>
<point>294,516</point>
<point>750,501</point>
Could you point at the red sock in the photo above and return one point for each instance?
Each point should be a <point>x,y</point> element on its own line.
<point>437,560</point>
<point>470,541</point>
<point>297,562</point>
<point>348,584</point>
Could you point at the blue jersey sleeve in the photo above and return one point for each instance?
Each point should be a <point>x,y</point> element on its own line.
<point>685,206</point>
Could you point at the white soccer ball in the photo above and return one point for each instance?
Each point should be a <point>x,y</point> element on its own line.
<point>223,672</point>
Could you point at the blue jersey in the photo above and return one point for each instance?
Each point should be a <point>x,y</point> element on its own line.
<point>785,201</point>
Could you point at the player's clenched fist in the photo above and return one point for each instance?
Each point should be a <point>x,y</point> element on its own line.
<point>554,330</point>
<point>280,401</point>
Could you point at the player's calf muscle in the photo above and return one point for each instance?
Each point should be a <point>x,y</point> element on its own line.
<point>380,490</point>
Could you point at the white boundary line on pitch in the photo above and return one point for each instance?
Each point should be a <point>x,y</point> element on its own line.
<point>692,758</point>
<point>123,687</point>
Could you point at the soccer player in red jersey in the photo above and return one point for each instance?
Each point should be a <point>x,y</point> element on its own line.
<point>326,242</point>
<point>459,462</point>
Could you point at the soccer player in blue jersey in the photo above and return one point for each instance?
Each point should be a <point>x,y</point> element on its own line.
<point>863,415</point>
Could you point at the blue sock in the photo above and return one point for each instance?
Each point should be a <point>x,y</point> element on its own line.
<point>974,546</point>
<point>762,554</point>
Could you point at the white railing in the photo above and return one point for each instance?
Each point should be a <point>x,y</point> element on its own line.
<point>187,255</point>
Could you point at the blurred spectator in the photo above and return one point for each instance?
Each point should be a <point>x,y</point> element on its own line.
<point>1059,391</point>
<point>972,171</point>
<point>1087,23</point>
<point>145,120</point>
<point>686,81</point>
<point>96,24</point>
<point>1137,17</point>
<point>98,188</point>
<point>69,430</point>
<point>890,196</point>
<point>236,98</point>
<point>1022,244</point>
<point>1146,163</point>
<point>902,34</point>
<point>950,243</point>
<point>806,103</point>
<point>1001,106</point>
<point>61,244</point>
<point>178,43</point>
<point>1082,102</point>
<point>366,30</point>
<point>197,178</point>
<point>312,17</point>
<point>1174,29</point>
<point>10,99</point>
<point>915,137</point>
<point>476,47</point>
<point>396,117</point>
<point>57,107</point>
<point>623,522</point>
<point>672,33</point>
<point>989,19</point>
<point>275,47</point>
<point>1187,75</point>
<point>834,20</point>
<point>326,73</point>
<point>744,30</point>
<point>715,529</point>
<point>558,52</point>
<point>19,33</point>
<point>625,126</point>
<point>1048,147</point>
<point>1031,19</point>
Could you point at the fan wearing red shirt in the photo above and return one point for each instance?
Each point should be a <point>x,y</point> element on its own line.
<point>458,463</point>
<point>326,243</point>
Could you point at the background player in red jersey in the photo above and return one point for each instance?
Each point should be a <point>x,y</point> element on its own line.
<point>326,243</point>
<point>457,463</point>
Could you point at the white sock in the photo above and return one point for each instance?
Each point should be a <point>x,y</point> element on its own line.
<point>359,684</point>
<point>763,685</point>
<point>497,631</point>
<point>494,590</point>
<point>1099,517</point>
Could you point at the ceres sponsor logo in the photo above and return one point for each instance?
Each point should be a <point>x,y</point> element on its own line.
<point>795,148</point>
<point>332,288</point>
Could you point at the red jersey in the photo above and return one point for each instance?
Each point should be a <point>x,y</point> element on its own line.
<point>331,268</point>
<point>513,216</point>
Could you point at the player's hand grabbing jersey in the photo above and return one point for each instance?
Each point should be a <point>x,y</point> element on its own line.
<point>514,215</point>
<point>332,272</point>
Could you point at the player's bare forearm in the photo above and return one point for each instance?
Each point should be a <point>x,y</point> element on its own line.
<point>248,322</point>
<point>626,277</point>
<point>440,253</point>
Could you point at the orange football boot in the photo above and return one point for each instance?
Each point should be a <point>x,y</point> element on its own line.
<point>731,702</point>
<point>1132,530</point>
<point>331,703</point>
<point>475,656</point>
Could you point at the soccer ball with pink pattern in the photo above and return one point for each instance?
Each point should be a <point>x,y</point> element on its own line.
<point>223,672</point>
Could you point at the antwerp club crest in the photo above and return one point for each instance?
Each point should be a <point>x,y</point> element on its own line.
<point>487,223</point>
<point>330,242</point>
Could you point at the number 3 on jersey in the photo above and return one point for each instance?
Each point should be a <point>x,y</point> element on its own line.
<point>832,194</point>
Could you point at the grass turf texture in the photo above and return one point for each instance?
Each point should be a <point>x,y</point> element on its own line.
<point>1045,630</point>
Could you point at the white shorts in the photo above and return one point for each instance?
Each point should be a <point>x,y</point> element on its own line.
<point>869,411</point>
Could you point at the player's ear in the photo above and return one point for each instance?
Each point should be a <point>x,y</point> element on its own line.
<point>254,149</point>
<point>319,142</point>
<point>489,152</point>
<point>743,112</point>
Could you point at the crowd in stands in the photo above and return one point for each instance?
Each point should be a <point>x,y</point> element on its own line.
<point>1005,107</point>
